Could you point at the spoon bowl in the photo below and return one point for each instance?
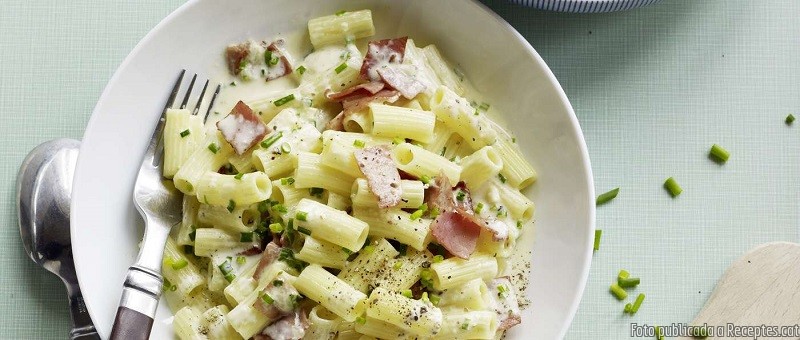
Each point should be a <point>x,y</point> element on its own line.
<point>44,187</point>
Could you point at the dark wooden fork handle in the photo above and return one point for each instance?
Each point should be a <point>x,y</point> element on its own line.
<point>137,307</point>
<point>131,325</point>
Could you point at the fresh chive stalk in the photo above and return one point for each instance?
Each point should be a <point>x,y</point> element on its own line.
<point>607,196</point>
<point>719,153</point>
<point>672,187</point>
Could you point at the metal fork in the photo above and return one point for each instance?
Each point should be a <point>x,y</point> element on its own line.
<point>159,203</point>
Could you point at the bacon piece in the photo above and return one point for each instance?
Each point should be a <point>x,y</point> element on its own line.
<point>290,327</point>
<point>504,303</point>
<point>270,254</point>
<point>442,197</point>
<point>283,67</point>
<point>242,128</point>
<point>235,54</point>
<point>381,53</point>
<point>358,91</point>
<point>384,180</point>
<point>456,233</point>
<point>250,251</point>
<point>355,105</point>
<point>398,79</point>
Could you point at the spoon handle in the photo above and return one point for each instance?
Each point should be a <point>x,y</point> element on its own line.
<point>82,326</point>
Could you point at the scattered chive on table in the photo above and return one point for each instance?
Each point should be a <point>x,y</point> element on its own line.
<point>653,89</point>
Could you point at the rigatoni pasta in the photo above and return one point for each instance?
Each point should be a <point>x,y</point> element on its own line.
<point>377,201</point>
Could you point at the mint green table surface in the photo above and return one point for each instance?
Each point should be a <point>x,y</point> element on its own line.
<point>653,89</point>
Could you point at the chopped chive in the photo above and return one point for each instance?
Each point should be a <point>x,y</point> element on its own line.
<point>246,237</point>
<point>502,291</point>
<point>397,265</point>
<point>263,206</point>
<point>502,178</point>
<point>185,133</point>
<point>627,308</point>
<point>233,83</point>
<point>623,274</point>
<point>417,214</point>
<point>513,139</point>
<point>239,175</point>
<point>597,235</point>
<point>267,299</point>
<point>465,325</point>
<point>672,187</point>
<point>287,181</point>
<point>437,259</point>
<point>340,13</point>
<point>304,230</point>
<point>284,100</point>
<point>273,60</point>
<point>301,70</point>
<point>719,153</point>
<point>213,147</point>
<point>347,251</point>
<point>358,143</point>
<point>460,195</point>
<point>241,260</point>
<point>519,224</point>
<point>398,141</point>
<point>286,148</point>
<point>434,212</point>
<point>434,298</point>
<point>227,270</point>
<point>479,208</point>
<point>484,106</point>
<point>294,299</point>
<point>340,68</point>
<point>407,293</point>
<point>637,303</point>
<point>180,264</point>
<point>789,119</point>
<point>628,282</point>
<point>267,56</point>
<point>277,283</point>
<point>301,216</point>
<point>424,297</point>
<point>361,320</point>
<point>607,196</point>
<point>276,228</point>
<point>231,205</point>
<point>425,179</point>
<point>618,292</point>
<point>280,208</point>
<point>368,249</point>
<point>271,140</point>
<point>315,191</point>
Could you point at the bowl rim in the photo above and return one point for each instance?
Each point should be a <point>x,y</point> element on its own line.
<point>562,97</point>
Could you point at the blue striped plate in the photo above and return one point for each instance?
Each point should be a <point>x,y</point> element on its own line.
<point>585,6</point>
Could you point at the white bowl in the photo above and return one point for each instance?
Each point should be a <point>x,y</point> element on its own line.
<point>502,65</point>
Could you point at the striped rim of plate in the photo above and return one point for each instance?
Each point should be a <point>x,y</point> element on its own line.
<point>584,6</point>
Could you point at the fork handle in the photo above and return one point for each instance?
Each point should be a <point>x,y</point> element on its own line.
<point>137,307</point>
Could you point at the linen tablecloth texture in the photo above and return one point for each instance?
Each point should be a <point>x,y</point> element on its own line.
<point>653,89</point>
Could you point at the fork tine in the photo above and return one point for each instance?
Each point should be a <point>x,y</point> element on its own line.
<point>211,104</point>
<point>188,92</point>
<point>174,93</point>
<point>200,100</point>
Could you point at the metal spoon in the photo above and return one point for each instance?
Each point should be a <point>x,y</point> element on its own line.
<point>44,187</point>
